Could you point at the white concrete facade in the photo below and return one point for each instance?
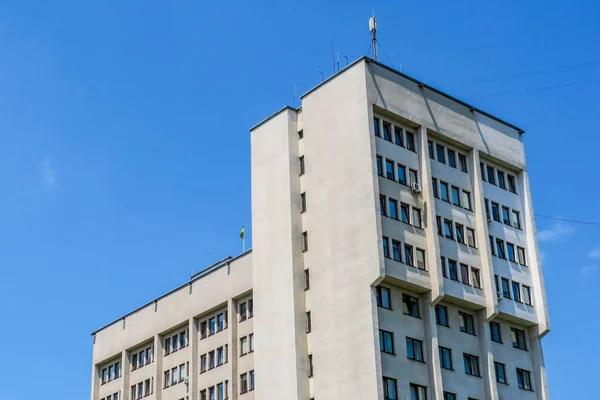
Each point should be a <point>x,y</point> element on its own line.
<point>323,208</point>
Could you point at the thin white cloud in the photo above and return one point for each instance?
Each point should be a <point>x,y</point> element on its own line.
<point>595,253</point>
<point>558,231</point>
<point>48,174</point>
<point>588,270</point>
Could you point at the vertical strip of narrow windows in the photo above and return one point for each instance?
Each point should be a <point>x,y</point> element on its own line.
<point>301,162</point>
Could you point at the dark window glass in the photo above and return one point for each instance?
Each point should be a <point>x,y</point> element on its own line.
<point>402,174</point>
<point>460,233</point>
<point>393,209</point>
<point>524,379</point>
<point>455,196</point>
<point>476,277</point>
<point>466,323</point>
<point>386,341</point>
<point>379,166</point>
<point>501,180</point>
<point>505,288</point>
<point>414,349</point>
<point>441,153</point>
<point>496,211</point>
<point>518,339</point>
<point>435,187</point>
<point>452,270</point>
<point>482,167</point>
<point>303,202</point>
<point>448,229</point>
<point>471,365</point>
<point>301,160</point>
<point>495,332</point>
<point>383,297</point>
<point>398,136</point>
<point>516,289</point>
<point>462,162</point>
<point>410,141</point>
<point>430,147</point>
<point>396,250</point>
<point>408,255</point>
<point>444,191</point>
<point>376,126</point>
<point>511,184</point>
<point>300,134</point>
<point>516,219</point>
<point>491,175</point>
<point>464,273</point>
<point>405,213</point>
<point>500,248</point>
<point>387,133</point>
<point>441,315</point>
<point>410,305</point>
<point>389,169</point>
<point>500,372</point>
<point>390,389</point>
<point>510,249</point>
<point>386,250</point>
<point>506,215</point>
<point>451,158</point>
<point>443,265</point>
<point>449,396</point>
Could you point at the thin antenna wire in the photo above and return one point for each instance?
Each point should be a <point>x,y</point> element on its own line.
<point>568,220</point>
<point>541,88</point>
<point>389,59</point>
<point>333,54</point>
<point>346,60</point>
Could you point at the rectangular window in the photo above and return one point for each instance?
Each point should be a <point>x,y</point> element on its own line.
<point>451,158</point>
<point>308,322</point>
<point>203,329</point>
<point>382,206</point>
<point>104,375</point>
<point>476,278</point>
<point>408,255</point>
<point>527,295</point>
<point>410,141</point>
<point>441,156</point>
<point>405,213</point>
<point>464,274</point>
<point>471,364</point>
<point>376,126</point>
<point>417,217</point>
<point>251,373</point>
<point>445,357</point>
<point>497,285</point>
<point>133,392</point>
<point>220,394</point>
<point>203,395</point>
<point>301,163</point>
<point>142,354</point>
<point>393,208</point>
<point>495,332</point>
<point>387,132</point>
<point>379,166</point>
<point>386,342</point>
<point>396,251</point>
<point>421,259</point>
<point>443,265</point>
<point>500,373</point>
<point>460,233</point>
<point>306,279</point>
<point>441,315</point>
<point>414,176</point>
<point>470,237</point>
<point>521,254</point>
<point>398,136</point>
<point>390,391</point>
<point>243,383</point>
<point>111,372</point>
<point>418,392</point>
<point>435,188</point>
<point>167,346</point>
<point>118,366</point>
<point>244,346</point>
<point>505,288</point>
<point>401,174</point>
<point>455,196</point>
<point>414,349</point>
<point>302,202</point>
<point>524,379</point>
<point>383,297</point>
<point>462,162</point>
<point>452,270</point>
<point>482,167</point>
<point>203,363</point>
<point>449,396</point>
<point>212,326</point>
<point>300,134</point>
<point>516,219</point>
<point>516,288</point>
<point>250,308</point>
<point>444,191</point>
<point>386,249</point>
<point>221,324</point>
<point>506,215</point>
<point>492,248</point>
<point>501,180</point>
<point>491,175</point>
<point>251,340</point>
<point>310,365</point>
<point>430,147</point>
<point>174,341</point>
<point>389,169</point>
<point>174,376</point>
<point>149,355</point>
<point>510,250</point>
<point>448,229</point>
<point>500,248</point>
<point>243,311</point>
<point>438,220</point>
<point>140,390</point>
<point>511,184</point>
<point>466,200</point>
<point>220,356</point>
<point>466,323</point>
<point>410,305</point>
<point>496,212</point>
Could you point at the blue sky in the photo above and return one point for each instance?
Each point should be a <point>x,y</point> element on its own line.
<point>124,149</point>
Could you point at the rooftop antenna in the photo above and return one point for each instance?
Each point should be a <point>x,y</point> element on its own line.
<point>373,30</point>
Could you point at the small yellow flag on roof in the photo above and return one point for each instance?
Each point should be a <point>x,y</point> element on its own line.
<point>242,233</point>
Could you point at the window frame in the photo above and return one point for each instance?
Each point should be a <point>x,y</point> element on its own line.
<point>410,303</point>
<point>496,332</point>
<point>414,344</point>
<point>383,343</point>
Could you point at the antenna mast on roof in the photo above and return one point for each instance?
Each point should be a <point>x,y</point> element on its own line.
<point>373,30</point>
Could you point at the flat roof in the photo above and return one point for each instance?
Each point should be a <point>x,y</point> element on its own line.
<point>211,268</point>
<point>403,75</point>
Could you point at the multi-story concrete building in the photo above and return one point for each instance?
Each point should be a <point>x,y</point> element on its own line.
<point>394,257</point>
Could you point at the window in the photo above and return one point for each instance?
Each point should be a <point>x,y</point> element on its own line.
<point>414,176</point>
<point>506,215</point>
<point>410,305</point>
<point>220,394</point>
<point>524,379</point>
<point>376,127</point>
<point>511,184</point>
<point>448,229</point>
<point>451,158</point>
<point>466,323</point>
<point>417,217</point>
<point>492,248</point>
<point>393,208</point>
<point>495,332</point>
<point>500,373</point>
<point>211,359</point>
<point>396,250</point>
<point>203,363</point>
<point>220,356</point>
<point>441,156</point>
<point>464,274</point>
<point>203,395</point>
<point>470,237</point>
<point>500,248</point>
<point>430,147</point>
<point>251,373</point>
<point>495,212</point>
<point>389,169</point>
<point>410,141</point>
<point>304,241</point>
<point>441,315</point>
<point>383,297</point>
<point>471,364</point>
<point>301,162</point>
<point>306,279</point>
<point>516,288</point>
<point>251,340</point>
<point>408,255</point>
<point>460,233</point>
<point>142,354</point>
<point>455,196</point>
<point>118,366</point>
<point>104,375</point>
<point>527,295</point>
<point>445,357</point>
<point>449,396</point>
<point>243,383</point>
<point>476,278</point>
<point>379,166</point>
<point>401,174</point>
<point>149,356</point>
<point>308,322</point>
<point>382,206</point>
<point>140,390</point>
<point>466,200</point>
<point>518,339</point>
<point>202,329</point>
<point>398,136</point>
<point>243,311</point>
<point>414,349</point>
<point>221,324</point>
<point>300,134</point>
<point>435,187</point>
<point>482,167</point>
<point>386,341</point>
<point>174,376</point>
<point>211,393</point>
<point>444,191</point>
<point>167,347</point>
<point>386,250</point>
<point>302,202</point>
<point>510,250</point>
<point>516,219</point>
<point>521,255</point>
<point>462,162</point>
<point>174,341</point>
<point>310,365</point>
<point>443,265</point>
<point>505,288</point>
<point>421,259</point>
<point>501,180</point>
<point>491,175</point>
<point>387,133</point>
<point>390,389</point>
<point>438,220</point>
<point>244,346</point>
<point>133,392</point>
<point>452,270</point>
<point>405,213</point>
<point>111,372</point>
<point>418,392</point>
